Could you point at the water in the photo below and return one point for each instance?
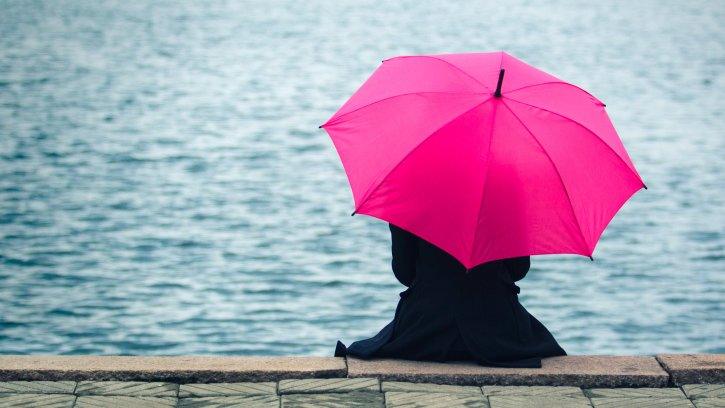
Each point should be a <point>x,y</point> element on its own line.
<point>164,188</point>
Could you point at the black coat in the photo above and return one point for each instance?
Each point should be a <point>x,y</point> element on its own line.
<point>448,313</point>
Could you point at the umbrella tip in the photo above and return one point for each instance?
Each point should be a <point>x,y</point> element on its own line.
<point>645,186</point>
<point>590,258</point>
<point>353,213</point>
<point>497,94</point>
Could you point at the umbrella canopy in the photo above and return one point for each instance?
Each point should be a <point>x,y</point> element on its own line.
<point>483,156</point>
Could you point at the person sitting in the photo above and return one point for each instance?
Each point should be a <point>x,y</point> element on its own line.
<point>448,313</point>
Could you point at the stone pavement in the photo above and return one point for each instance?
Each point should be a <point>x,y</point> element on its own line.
<point>345,392</point>
<point>571,381</point>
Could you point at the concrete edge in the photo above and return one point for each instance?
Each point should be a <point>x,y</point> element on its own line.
<point>176,376</point>
<point>676,369</point>
<point>581,371</point>
<point>573,380</point>
<point>693,368</point>
<point>182,369</point>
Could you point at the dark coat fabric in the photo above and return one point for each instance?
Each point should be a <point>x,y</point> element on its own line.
<point>450,314</point>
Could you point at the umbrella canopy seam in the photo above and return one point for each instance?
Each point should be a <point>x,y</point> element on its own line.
<point>377,184</point>
<point>558,83</point>
<point>631,169</point>
<point>558,173</point>
<point>485,179</point>
<point>336,120</point>
<point>447,62</point>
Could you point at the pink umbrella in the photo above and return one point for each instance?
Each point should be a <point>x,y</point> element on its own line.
<point>483,156</point>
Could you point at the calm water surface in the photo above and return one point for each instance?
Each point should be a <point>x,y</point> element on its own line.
<point>164,188</point>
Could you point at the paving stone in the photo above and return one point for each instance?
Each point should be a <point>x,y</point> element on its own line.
<point>635,393</point>
<point>428,387</point>
<point>37,400</point>
<point>641,402</point>
<point>709,402</point>
<point>543,391</point>
<point>322,385</point>
<point>227,389</point>
<point>704,390</point>
<point>246,401</point>
<point>185,369</point>
<point>340,400</point>
<point>434,400</point>
<point>38,387</point>
<point>122,401</point>
<point>694,368</point>
<point>133,388</point>
<point>579,371</point>
<point>532,401</point>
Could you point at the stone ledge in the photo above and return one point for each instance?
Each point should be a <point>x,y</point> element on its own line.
<point>171,369</point>
<point>694,368</point>
<point>579,371</point>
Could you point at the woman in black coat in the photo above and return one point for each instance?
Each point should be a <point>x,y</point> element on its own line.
<point>450,314</point>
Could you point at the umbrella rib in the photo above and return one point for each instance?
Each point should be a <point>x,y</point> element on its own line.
<point>449,63</point>
<point>557,83</point>
<point>488,155</point>
<point>585,128</point>
<point>566,190</point>
<point>376,185</point>
<point>336,120</point>
<point>485,180</point>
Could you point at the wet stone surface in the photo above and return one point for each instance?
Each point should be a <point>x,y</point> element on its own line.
<point>251,401</point>
<point>38,387</point>
<point>709,403</point>
<point>227,389</point>
<point>535,401</point>
<point>328,385</point>
<point>641,402</point>
<point>697,391</point>
<point>122,401</point>
<point>37,400</point>
<point>388,386</point>
<point>341,400</point>
<point>131,388</point>
<point>347,392</point>
<point>635,393</point>
<point>395,399</point>
<point>540,391</point>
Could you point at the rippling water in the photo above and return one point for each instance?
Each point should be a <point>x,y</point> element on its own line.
<point>164,188</point>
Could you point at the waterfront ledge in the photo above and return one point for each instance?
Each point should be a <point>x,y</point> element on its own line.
<point>579,371</point>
